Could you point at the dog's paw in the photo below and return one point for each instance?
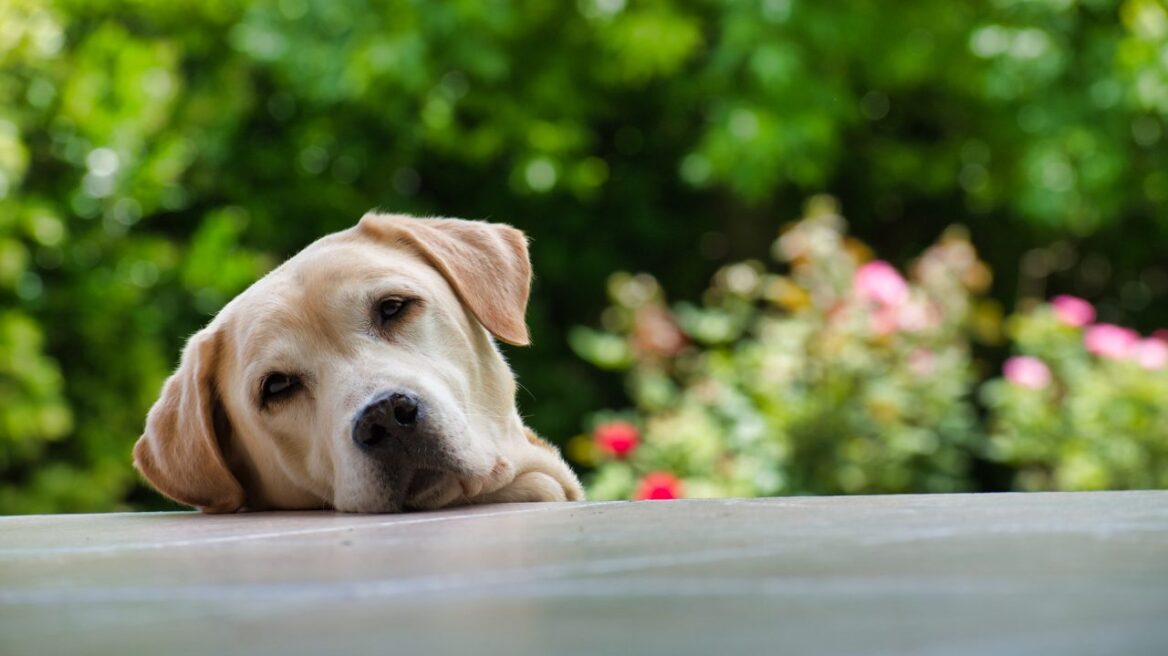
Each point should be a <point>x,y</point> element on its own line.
<point>530,486</point>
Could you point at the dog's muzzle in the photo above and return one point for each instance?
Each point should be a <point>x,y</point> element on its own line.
<point>396,429</point>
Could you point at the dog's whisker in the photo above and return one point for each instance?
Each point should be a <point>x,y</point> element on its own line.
<point>523,387</point>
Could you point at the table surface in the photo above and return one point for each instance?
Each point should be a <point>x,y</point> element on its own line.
<point>1064,573</point>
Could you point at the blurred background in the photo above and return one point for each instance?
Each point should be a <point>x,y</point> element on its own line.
<point>706,321</point>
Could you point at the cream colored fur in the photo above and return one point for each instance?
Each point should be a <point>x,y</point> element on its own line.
<point>209,443</point>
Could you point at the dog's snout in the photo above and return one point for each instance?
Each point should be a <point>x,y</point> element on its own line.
<point>390,415</point>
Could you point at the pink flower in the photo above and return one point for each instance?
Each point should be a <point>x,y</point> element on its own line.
<point>1110,341</point>
<point>911,317</point>
<point>1073,310</point>
<point>1151,353</point>
<point>917,316</point>
<point>1026,371</point>
<point>655,331</point>
<point>922,362</point>
<point>885,321</point>
<point>658,485</point>
<point>617,438</point>
<point>878,281</point>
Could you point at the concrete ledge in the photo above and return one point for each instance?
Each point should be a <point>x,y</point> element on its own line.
<point>1083,573</point>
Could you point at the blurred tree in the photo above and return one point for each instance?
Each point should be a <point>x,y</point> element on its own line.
<point>155,157</point>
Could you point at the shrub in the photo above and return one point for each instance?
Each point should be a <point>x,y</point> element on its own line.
<point>839,375</point>
<point>1092,412</point>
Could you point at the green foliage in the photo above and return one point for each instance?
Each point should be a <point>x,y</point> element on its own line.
<point>803,383</point>
<point>156,156</point>
<point>842,377</point>
<point>1101,423</point>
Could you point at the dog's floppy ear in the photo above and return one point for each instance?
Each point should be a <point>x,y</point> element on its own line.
<point>485,263</point>
<point>179,452</point>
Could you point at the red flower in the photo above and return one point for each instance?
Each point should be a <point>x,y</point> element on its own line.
<point>658,485</point>
<point>617,438</point>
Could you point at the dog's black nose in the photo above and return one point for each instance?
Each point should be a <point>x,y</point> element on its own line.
<point>391,414</point>
<point>405,409</point>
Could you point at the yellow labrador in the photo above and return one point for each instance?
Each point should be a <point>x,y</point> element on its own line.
<point>360,375</point>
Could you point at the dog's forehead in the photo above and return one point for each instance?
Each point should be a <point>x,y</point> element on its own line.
<point>334,266</point>
<point>321,294</point>
<point>349,256</point>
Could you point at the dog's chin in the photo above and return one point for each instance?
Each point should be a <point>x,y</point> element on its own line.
<point>430,489</point>
<point>422,489</point>
<point>371,506</point>
<point>438,483</point>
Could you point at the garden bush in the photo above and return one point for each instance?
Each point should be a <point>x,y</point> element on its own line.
<point>838,375</point>
<point>1083,406</point>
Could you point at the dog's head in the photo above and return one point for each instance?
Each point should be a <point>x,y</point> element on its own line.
<point>359,375</point>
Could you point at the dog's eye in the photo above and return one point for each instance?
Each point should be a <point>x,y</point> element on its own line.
<point>389,308</point>
<point>278,386</point>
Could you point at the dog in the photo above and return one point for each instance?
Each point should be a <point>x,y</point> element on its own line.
<point>360,375</point>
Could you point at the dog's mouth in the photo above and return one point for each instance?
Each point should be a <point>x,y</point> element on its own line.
<point>423,482</point>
